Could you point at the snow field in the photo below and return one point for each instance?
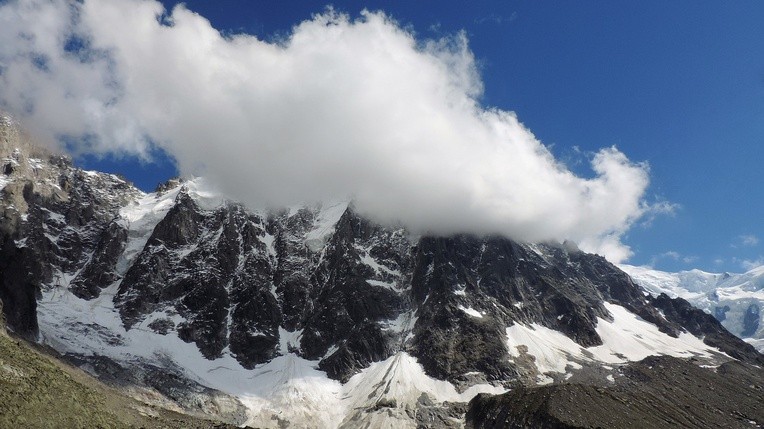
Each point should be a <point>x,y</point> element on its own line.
<point>626,338</point>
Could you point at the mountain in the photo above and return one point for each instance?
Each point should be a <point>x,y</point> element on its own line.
<point>312,316</point>
<point>736,300</point>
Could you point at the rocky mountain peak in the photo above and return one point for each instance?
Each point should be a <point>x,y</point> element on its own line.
<point>295,312</point>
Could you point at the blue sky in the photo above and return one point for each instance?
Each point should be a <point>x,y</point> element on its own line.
<point>670,83</point>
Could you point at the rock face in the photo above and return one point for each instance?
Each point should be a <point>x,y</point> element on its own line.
<point>655,392</point>
<point>309,298</point>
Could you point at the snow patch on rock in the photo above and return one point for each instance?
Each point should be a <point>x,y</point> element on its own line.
<point>471,311</point>
<point>324,225</point>
<point>626,338</point>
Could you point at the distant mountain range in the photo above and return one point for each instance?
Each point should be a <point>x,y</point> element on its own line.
<point>736,300</point>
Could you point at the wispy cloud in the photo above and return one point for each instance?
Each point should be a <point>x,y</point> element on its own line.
<point>495,18</point>
<point>674,256</point>
<point>340,107</point>
<point>749,264</point>
<point>659,208</point>
<point>749,240</point>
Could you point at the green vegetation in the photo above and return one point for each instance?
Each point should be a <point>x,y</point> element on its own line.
<point>39,391</point>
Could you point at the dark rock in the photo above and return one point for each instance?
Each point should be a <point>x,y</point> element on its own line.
<point>162,326</point>
<point>721,313</point>
<point>362,346</point>
<point>511,283</point>
<point>751,320</point>
<point>100,270</point>
<point>181,224</point>
<point>655,392</point>
<point>168,185</point>
<point>19,286</point>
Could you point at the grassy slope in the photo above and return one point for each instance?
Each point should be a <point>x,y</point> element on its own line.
<point>39,391</point>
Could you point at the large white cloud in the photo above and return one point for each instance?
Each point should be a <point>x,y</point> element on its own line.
<point>340,108</point>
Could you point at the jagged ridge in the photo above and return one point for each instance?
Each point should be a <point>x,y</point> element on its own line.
<point>155,279</point>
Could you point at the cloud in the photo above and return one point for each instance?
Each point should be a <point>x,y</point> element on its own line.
<point>339,108</point>
<point>674,256</point>
<point>749,264</point>
<point>495,18</point>
<point>670,254</point>
<point>749,240</point>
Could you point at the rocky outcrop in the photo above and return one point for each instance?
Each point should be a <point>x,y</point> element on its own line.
<point>655,392</point>
<point>2,319</point>
<point>553,285</point>
<point>751,320</point>
<point>19,285</point>
<point>60,236</point>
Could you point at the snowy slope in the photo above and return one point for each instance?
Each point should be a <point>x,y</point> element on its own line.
<point>288,388</point>
<point>736,300</point>
<point>627,338</point>
<point>291,388</point>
